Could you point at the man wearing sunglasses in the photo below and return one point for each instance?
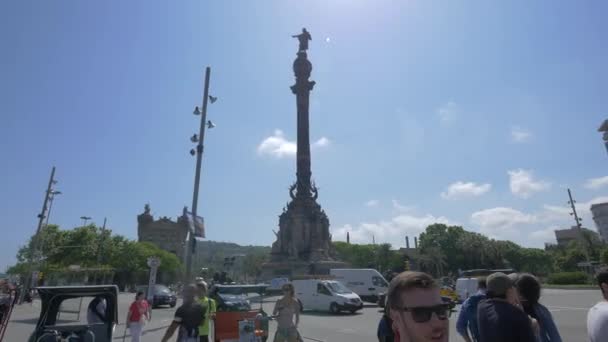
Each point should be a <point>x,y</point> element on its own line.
<point>416,308</point>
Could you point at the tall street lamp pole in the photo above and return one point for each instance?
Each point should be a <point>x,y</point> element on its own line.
<point>578,226</point>
<point>197,174</point>
<point>51,199</point>
<point>34,248</point>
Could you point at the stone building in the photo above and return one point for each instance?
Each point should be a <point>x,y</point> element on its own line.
<point>165,233</point>
<point>600,217</point>
<point>565,236</point>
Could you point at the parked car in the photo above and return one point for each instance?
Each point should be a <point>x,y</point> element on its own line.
<point>162,295</point>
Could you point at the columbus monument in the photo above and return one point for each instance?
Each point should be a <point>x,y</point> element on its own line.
<point>303,242</point>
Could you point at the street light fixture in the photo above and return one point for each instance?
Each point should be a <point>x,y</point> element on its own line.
<point>84,220</point>
<point>52,195</point>
<point>604,128</point>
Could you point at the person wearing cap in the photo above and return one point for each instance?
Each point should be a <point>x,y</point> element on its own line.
<point>209,309</point>
<point>499,318</point>
<point>597,318</point>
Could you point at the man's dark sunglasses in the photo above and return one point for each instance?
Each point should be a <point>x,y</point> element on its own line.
<point>423,314</point>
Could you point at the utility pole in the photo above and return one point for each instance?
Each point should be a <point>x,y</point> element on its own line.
<point>578,223</point>
<point>33,259</point>
<point>197,174</point>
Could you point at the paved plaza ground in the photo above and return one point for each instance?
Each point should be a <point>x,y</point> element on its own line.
<point>569,308</point>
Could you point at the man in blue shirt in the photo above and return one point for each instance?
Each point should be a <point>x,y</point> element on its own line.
<point>467,319</point>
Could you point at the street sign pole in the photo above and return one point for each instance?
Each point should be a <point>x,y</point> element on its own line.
<point>153,263</point>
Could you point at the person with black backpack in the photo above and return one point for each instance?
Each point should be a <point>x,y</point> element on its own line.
<point>96,312</point>
<point>188,317</point>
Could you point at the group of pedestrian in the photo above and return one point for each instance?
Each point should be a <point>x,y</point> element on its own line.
<point>192,318</point>
<point>505,308</point>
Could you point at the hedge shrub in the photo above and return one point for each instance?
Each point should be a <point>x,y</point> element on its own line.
<point>567,278</point>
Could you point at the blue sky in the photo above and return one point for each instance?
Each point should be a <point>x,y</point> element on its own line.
<point>472,113</point>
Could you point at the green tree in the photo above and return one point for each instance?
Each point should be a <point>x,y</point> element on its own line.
<point>383,257</point>
<point>604,256</point>
<point>92,247</point>
<point>433,260</point>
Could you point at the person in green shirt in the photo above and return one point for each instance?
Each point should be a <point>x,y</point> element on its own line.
<point>209,310</point>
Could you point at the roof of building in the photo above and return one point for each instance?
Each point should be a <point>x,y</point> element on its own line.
<point>570,233</point>
<point>597,205</point>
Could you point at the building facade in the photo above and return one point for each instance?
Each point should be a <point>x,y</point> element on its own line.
<point>165,233</point>
<point>565,236</point>
<point>600,217</point>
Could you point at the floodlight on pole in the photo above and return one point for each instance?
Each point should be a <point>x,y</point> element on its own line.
<point>84,220</point>
<point>604,128</point>
<point>53,193</point>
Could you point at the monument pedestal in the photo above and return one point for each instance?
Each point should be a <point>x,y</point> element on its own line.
<point>291,269</point>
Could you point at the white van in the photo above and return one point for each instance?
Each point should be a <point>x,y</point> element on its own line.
<point>466,287</point>
<point>276,284</point>
<point>324,295</point>
<point>366,282</point>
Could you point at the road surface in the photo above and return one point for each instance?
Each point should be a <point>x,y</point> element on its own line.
<point>569,308</point>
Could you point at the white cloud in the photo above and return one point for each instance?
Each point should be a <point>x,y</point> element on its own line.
<point>447,113</point>
<point>596,183</point>
<point>520,135</point>
<point>524,185</point>
<point>400,207</point>
<point>523,228</point>
<point>278,146</point>
<point>392,231</point>
<point>500,220</point>
<point>372,203</point>
<point>544,235</point>
<point>468,189</point>
<point>321,142</point>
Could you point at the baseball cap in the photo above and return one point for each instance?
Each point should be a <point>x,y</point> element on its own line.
<point>498,283</point>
